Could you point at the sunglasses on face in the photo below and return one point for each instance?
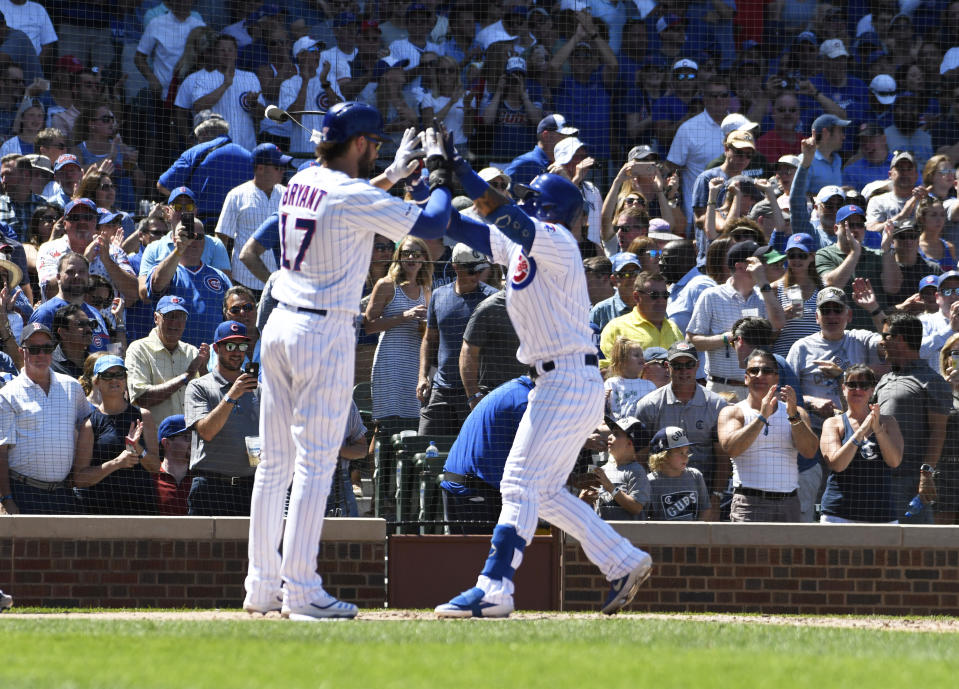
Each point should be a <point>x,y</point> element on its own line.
<point>474,268</point>
<point>106,375</point>
<point>244,308</point>
<point>743,153</point>
<point>655,295</point>
<point>155,233</point>
<point>832,205</point>
<point>886,336</point>
<point>59,144</point>
<point>88,324</point>
<point>907,236</point>
<point>630,200</point>
<point>631,228</point>
<point>39,349</point>
<point>950,292</point>
<point>187,207</point>
<point>685,77</point>
<point>376,142</point>
<point>856,225</point>
<point>687,366</point>
<point>831,309</point>
<point>81,217</point>
<point>383,246</point>
<point>756,371</point>
<point>797,255</point>
<point>858,384</point>
<point>236,346</point>
<point>411,253</point>
<point>743,235</point>
<point>49,217</point>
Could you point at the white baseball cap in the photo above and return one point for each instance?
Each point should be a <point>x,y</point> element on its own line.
<point>464,254</point>
<point>883,87</point>
<point>833,48</point>
<point>488,174</point>
<point>564,150</point>
<point>736,121</point>
<point>828,191</point>
<point>685,63</point>
<point>305,43</point>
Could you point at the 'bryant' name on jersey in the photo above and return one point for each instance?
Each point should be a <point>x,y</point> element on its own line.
<point>303,195</point>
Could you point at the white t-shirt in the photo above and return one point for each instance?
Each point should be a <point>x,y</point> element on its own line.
<point>625,393</point>
<point>163,42</point>
<point>698,140</point>
<point>32,19</point>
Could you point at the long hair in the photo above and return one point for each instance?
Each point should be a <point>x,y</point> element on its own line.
<point>89,185</point>
<point>618,353</point>
<point>424,276</point>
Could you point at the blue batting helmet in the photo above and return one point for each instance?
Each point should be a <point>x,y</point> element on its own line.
<point>348,119</point>
<point>553,198</point>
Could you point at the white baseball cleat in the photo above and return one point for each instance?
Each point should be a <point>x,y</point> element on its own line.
<point>623,590</point>
<point>328,609</point>
<point>6,601</point>
<point>471,604</point>
<point>260,608</point>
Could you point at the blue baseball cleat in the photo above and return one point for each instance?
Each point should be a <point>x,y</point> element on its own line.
<point>623,590</point>
<point>471,604</point>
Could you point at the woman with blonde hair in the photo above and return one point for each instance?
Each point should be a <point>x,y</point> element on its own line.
<point>27,123</point>
<point>397,310</point>
<point>624,384</point>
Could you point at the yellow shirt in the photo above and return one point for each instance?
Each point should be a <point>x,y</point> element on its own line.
<point>150,363</point>
<point>638,329</point>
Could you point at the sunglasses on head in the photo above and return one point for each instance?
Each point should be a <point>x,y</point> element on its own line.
<point>756,371</point>
<point>106,375</point>
<point>242,308</point>
<point>236,346</point>
<point>39,349</point>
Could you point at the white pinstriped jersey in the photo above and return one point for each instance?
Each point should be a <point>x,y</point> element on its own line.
<point>235,106</point>
<point>546,294</point>
<point>245,208</point>
<point>327,223</point>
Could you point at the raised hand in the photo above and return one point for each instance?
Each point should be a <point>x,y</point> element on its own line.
<point>863,294</point>
<point>770,402</point>
<point>407,156</point>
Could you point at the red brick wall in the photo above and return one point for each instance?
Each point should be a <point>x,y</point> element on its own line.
<point>167,573</point>
<point>782,579</point>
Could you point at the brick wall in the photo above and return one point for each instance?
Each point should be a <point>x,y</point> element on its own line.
<point>838,570</point>
<point>100,561</point>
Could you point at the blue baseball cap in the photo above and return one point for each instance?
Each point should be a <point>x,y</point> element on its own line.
<point>801,241</point>
<point>107,216</point>
<point>106,362</point>
<point>623,259</point>
<point>847,211</point>
<point>270,154</point>
<point>827,121</point>
<point>181,191</point>
<point>86,203</point>
<point>654,354</point>
<point>929,281</point>
<point>171,303</point>
<point>171,426</point>
<point>66,159</point>
<point>668,438</point>
<point>946,276</point>
<point>229,330</point>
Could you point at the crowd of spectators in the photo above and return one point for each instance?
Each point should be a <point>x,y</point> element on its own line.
<point>770,247</point>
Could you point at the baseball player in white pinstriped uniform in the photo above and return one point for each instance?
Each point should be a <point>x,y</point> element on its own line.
<point>547,301</point>
<point>328,216</point>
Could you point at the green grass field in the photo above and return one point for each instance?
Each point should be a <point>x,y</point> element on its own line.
<point>625,651</point>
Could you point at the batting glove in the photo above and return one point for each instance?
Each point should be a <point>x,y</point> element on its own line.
<point>441,172</point>
<point>407,155</point>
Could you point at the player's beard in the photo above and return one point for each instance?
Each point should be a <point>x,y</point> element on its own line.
<point>367,163</point>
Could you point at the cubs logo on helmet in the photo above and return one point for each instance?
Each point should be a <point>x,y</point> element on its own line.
<point>524,272</point>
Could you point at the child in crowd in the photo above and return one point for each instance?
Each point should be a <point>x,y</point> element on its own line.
<point>677,492</point>
<point>624,385</point>
<point>623,488</point>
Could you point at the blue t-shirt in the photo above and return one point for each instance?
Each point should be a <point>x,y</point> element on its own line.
<point>487,435</point>
<point>449,313</point>
<point>224,168</point>
<point>588,106</point>
<point>527,166</point>
<point>861,172</point>
<point>670,108</point>
<point>203,290</point>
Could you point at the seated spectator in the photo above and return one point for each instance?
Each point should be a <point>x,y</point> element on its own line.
<point>901,202</point>
<point>115,451</point>
<point>930,222</point>
<point>762,435</point>
<point>182,273</point>
<point>66,176</point>
<point>160,365</point>
<point>40,411</point>
<point>623,489</point>
<point>341,501</point>
<point>646,324</point>
<point>860,448</point>
<point>624,383</point>
<point>221,408</point>
<point>625,269</point>
<point>74,281</point>
<point>26,125</point>
<point>947,500</point>
<point>656,368</point>
<point>174,480</point>
<point>18,202</point>
<point>74,334</point>
<point>872,162</point>
<point>677,492</point>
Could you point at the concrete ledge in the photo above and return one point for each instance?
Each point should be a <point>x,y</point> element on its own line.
<point>664,533</point>
<point>85,528</point>
<point>807,535</point>
<point>930,536</point>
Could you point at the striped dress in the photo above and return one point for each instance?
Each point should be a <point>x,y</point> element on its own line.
<point>396,362</point>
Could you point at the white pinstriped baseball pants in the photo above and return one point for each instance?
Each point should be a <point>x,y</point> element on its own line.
<point>307,375</point>
<point>565,405</point>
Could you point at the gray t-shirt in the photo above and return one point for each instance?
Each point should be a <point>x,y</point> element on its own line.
<point>226,452</point>
<point>884,207</point>
<point>490,329</point>
<point>632,478</point>
<point>855,347</point>
<point>677,498</point>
